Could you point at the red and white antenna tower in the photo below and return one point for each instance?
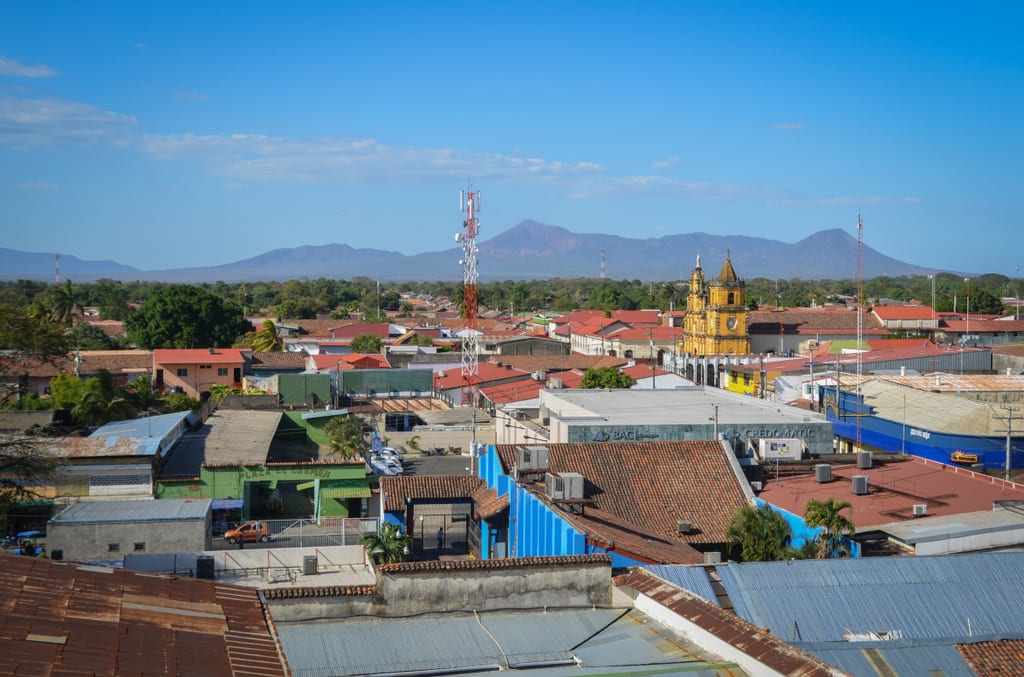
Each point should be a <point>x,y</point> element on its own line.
<point>469,203</point>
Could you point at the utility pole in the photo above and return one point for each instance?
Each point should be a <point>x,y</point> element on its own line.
<point>1010,411</point>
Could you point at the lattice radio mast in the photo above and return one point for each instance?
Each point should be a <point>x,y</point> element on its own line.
<point>56,267</point>
<point>469,203</point>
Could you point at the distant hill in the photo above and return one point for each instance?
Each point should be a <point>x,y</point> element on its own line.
<point>527,251</point>
<point>17,265</point>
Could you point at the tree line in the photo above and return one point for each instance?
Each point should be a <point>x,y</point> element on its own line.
<point>372,299</point>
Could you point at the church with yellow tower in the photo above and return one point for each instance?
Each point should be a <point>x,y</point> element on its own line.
<point>716,314</point>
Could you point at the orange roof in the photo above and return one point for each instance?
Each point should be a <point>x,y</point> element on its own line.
<point>350,361</point>
<point>904,312</point>
<point>197,356</point>
<point>486,372</point>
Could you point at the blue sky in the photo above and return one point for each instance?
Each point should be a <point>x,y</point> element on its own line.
<point>189,134</point>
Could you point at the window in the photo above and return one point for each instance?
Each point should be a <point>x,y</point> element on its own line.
<point>181,371</point>
<point>140,547</point>
<point>222,371</point>
<point>206,366</point>
<point>113,547</point>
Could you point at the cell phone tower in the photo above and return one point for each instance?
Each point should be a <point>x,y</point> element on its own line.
<point>469,204</point>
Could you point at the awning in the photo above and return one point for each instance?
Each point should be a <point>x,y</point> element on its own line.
<point>227,503</point>
<point>350,490</point>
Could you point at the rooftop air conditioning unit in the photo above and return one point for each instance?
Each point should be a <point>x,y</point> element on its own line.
<point>823,473</point>
<point>860,485</point>
<point>920,509</point>
<point>554,485</point>
<point>756,485</point>
<point>573,486</point>
<point>684,527</point>
<point>863,460</point>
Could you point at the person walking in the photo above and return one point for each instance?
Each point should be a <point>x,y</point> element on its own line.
<point>440,538</point>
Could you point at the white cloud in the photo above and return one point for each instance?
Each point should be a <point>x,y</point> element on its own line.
<point>186,95</point>
<point>787,126</point>
<point>19,70</point>
<point>37,185</point>
<point>254,157</point>
<point>26,121</point>
<point>660,186</point>
<point>667,163</point>
<point>844,201</point>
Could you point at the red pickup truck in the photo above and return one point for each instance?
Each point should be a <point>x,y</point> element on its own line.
<point>248,532</point>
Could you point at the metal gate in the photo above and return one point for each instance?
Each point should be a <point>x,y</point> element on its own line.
<point>442,530</point>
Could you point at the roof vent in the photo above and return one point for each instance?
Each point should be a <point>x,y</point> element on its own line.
<point>920,509</point>
<point>860,485</point>
<point>823,473</point>
<point>684,527</point>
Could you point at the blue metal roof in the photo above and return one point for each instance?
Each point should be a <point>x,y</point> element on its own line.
<point>942,597</point>
<point>147,432</point>
<point>547,642</point>
<point>692,578</point>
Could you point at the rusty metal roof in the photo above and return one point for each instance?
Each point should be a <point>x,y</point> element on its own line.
<point>58,618</point>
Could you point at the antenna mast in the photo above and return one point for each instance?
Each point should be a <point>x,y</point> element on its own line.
<point>860,321</point>
<point>469,203</point>
<point>56,267</point>
<point>602,263</point>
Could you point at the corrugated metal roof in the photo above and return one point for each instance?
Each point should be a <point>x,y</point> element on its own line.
<point>692,578</point>
<point>931,411</point>
<point>871,658</point>
<point>943,598</point>
<point>605,640</point>
<point>143,510</point>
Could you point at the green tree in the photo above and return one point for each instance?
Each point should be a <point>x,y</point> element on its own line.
<point>760,533</point>
<point>180,402</point>
<point>835,526</point>
<point>606,377</point>
<point>266,339</point>
<point>366,344</point>
<point>185,316</point>
<point>345,437</point>
<point>66,391</point>
<point>421,340</point>
<point>388,545</point>
<point>63,302</point>
<point>27,339</point>
<point>85,336</point>
<point>143,397</point>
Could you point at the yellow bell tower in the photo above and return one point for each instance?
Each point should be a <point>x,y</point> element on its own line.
<point>716,314</point>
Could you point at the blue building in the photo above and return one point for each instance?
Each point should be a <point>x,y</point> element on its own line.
<point>940,423</point>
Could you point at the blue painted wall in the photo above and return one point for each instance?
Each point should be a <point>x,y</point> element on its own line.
<point>535,530</point>
<point>803,533</point>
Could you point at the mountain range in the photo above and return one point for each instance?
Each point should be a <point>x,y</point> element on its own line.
<point>527,251</point>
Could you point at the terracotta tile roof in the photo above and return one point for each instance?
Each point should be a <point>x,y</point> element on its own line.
<point>278,360</point>
<point>314,328</point>
<point>527,388</point>
<point>487,502</point>
<point>494,564</point>
<point>653,485</point>
<point>486,372</point>
<point>58,618</point>
<point>397,488</point>
<point>320,591</point>
<point>349,361</point>
<point>983,326</point>
<point>549,363</point>
<point>767,649</point>
<point>350,331</point>
<point>114,361</point>
<point>658,334</point>
<point>812,321</point>
<point>109,327</point>
<point>197,356</point>
<point>998,658</point>
<point>904,312</point>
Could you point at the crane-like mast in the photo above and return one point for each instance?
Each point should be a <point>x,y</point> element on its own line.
<point>469,204</point>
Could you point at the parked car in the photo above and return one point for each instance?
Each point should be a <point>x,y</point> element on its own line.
<point>249,532</point>
<point>383,466</point>
<point>392,452</point>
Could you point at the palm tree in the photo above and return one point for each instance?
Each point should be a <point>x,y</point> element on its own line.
<point>345,435</point>
<point>266,339</point>
<point>834,525</point>
<point>761,533</point>
<point>388,545</point>
<point>63,302</point>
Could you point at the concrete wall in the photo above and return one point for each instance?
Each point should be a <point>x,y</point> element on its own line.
<point>261,402</point>
<point>533,586</point>
<point>92,541</point>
